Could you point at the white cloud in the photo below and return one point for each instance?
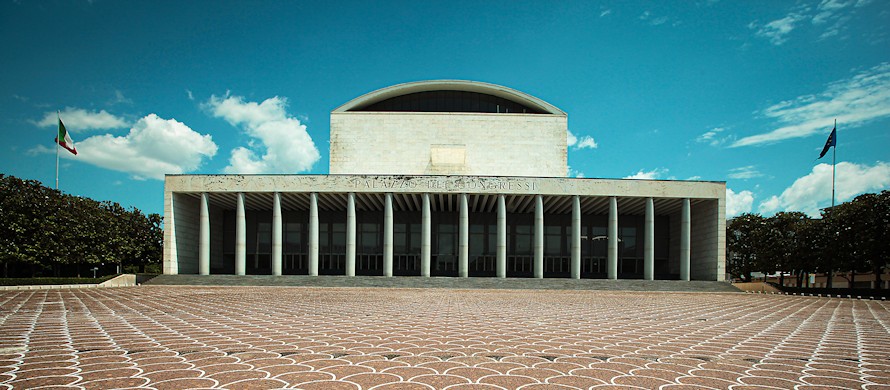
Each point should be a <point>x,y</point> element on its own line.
<point>606,13</point>
<point>575,143</point>
<point>827,9</point>
<point>853,102</point>
<point>712,137</point>
<point>79,120</point>
<point>587,142</point>
<point>190,95</point>
<point>746,172</point>
<point>813,191</point>
<point>654,174</point>
<point>830,15</point>
<point>738,203</point>
<point>574,173</point>
<point>153,147</point>
<point>653,20</point>
<point>777,30</point>
<point>279,144</point>
<point>119,98</point>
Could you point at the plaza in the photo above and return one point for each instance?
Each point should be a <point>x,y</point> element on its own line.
<point>166,337</point>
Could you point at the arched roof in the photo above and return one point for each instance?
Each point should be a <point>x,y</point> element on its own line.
<point>513,95</point>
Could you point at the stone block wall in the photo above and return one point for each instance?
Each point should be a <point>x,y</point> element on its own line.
<point>707,234</point>
<point>183,237</point>
<point>424,143</point>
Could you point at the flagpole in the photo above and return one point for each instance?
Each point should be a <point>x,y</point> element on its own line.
<point>59,114</point>
<point>833,163</point>
<point>833,169</point>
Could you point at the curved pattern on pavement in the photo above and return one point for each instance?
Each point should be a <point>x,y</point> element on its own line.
<point>357,338</point>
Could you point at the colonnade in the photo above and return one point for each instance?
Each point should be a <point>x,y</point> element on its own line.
<point>463,234</point>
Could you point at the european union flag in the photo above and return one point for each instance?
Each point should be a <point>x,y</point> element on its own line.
<point>832,141</point>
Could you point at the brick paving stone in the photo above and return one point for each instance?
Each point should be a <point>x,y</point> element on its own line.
<point>508,381</point>
<point>392,338</point>
<point>713,383</point>
<point>474,386</point>
<point>472,373</point>
<point>305,377</point>
<point>408,373</point>
<point>440,381</point>
<point>343,371</point>
<point>685,387</point>
<point>116,382</point>
<point>403,386</point>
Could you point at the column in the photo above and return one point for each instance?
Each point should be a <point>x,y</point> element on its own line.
<point>387,235</point>
<point>539,237</point>
<point>425,232</point>
<point>612,264</point>
<point>685,227</point>
<point>171,251</point>
<point>313,234</point>
<point>276,234</point>
<point>502,238</point>
<point>240,236</point>
<point>576,237</point>
<point>463,244</point>
<point>350,234</point>
<point>649,241</point>
<point>204,237</point>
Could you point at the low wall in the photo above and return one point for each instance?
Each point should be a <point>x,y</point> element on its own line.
<point>124,280</point>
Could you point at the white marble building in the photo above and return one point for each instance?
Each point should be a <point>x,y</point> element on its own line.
<point>445,178</point>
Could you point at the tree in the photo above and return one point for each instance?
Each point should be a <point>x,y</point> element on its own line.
<point>43,229</point>
<point>780,242</point>
<point>811,248</point>
<point>741,235</point>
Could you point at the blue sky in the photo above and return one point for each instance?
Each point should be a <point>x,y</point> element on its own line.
<point>742,92</point>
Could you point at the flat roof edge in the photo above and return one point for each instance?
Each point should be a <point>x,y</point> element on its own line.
<point>507,185</point>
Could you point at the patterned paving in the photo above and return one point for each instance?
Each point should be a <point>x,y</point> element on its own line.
<point>164,337</point>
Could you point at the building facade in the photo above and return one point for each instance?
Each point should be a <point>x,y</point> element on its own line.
<point>445,178</point>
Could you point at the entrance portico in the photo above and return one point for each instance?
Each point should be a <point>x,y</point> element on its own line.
<point>443,226</point>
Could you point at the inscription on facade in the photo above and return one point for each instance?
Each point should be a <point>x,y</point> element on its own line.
<point>445,184</point>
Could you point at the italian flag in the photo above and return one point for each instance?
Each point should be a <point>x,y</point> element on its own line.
<point>64,139</point>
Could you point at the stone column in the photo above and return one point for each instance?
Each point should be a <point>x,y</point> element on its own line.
<point>576,237</point>
<point>649,241</point>
<point>387,235</point>
<point>502,238</point>
<point>276,234</point>
<point>240,236</point>
<point>685,226</point>
<point>539,237</point>
<point>425,233</point>
<point>171,251</point>
<point>313,234</point>
<point>463,232</point>
<point>612,264</point>
<point>204,236</point>
<point>350,234</point>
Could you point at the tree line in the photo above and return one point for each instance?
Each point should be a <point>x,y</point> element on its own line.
<point>850,238</point>
<point>44,232</point>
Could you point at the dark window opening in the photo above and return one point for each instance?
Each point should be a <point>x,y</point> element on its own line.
<point>450,101</point>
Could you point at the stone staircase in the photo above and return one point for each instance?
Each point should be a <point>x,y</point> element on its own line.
<point>443,282</point>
